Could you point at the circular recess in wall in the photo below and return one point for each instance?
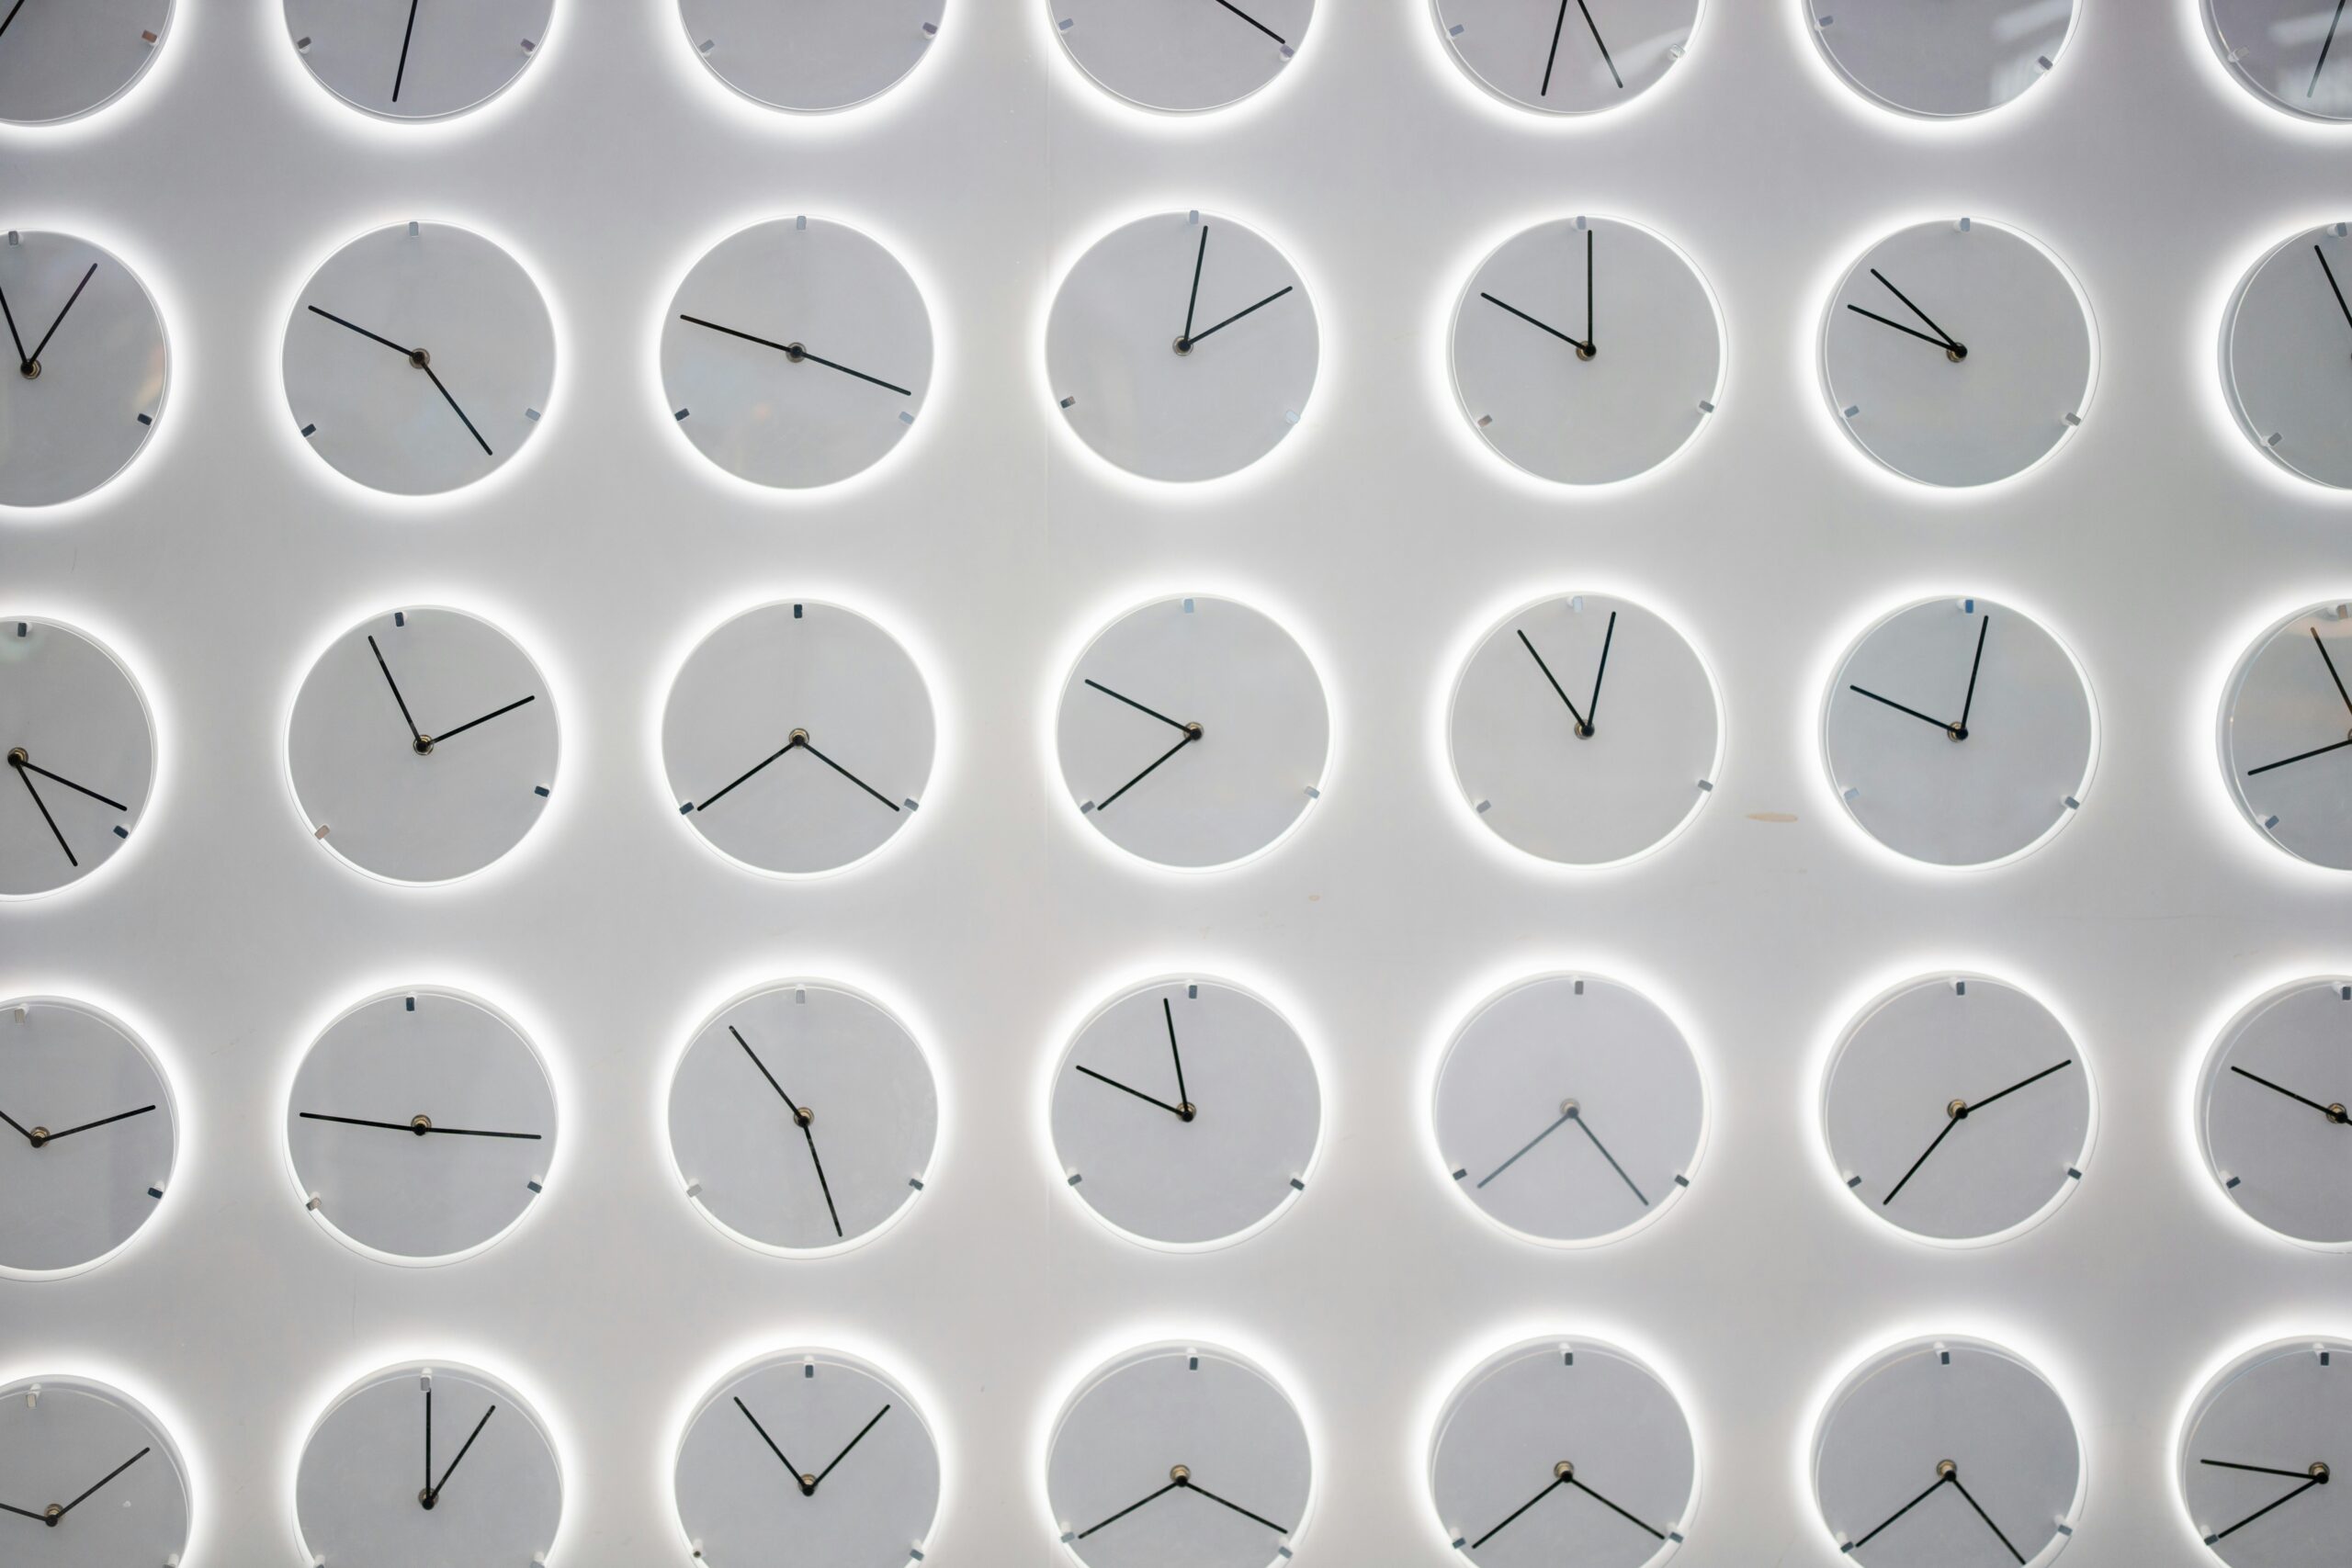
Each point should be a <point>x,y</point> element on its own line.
<point>833,54</point>
<point>400,60</point>
<point>1565,60</point>
<point>1941,58</point>
<point>1182,57</point>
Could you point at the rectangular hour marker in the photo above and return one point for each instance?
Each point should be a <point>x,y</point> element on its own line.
<point>309,431</point>
<point>539,790</point>
<point>399,617</point>
<point>1191,1363</point>
<point>795,611</point>
<point>155,1193</point>
<point>1192,990</point>
<point>681,416</point>
<point>121,832</point>
<point>145,419</point>
<point>412,1005</point>
<point>1460,1172</point>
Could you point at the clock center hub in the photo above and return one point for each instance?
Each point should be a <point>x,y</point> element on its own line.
<point>38,1137</point>
<point>29,369</point>
<point>807,1481</point>
<point>1956,1109</point>
<point>1946,1470</point>
<point>1188,1110</point>
<point>1563,1470</point>
<point>422,745</point>
<point>804,1114</point>
<point>795,353</point>
<point>797,737</point>
<point>2319,1471</point>
<point>19,756</point>
<point>421,1125</point>
<point>1182,346</point>
<point>1568,1108</point>
<point>2336,1112</point>
<point>51,1515</point>
<point>426,1498</point>
<point>1181,1474</point>
<point>1588,350</point>
<point>1192,731</point>
<point>419,358</point>
<point>1956,353</point>
<point>1956,731</point>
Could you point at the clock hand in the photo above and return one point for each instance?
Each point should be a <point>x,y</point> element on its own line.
<point>1592,705</point>
<point>24,360</point>
<point>1558,1123</point>
<point>2315,1481</point>
<point>363,332</point>
<point>1584,730</point>
<point>1200,254</point>
<point>1571,1479</point>
<point>40,1139</point>
<point>1588,339</point>
<point>421,360</point>
<point>1945,1472</point>
<point>796,353</point>
<point>806,1483</point>
<point>1601,46</point>
<point>1139,708</point>
<point>2330,662</point>
<point>2333,287</point>
<point>11,15</point>
<point>1254,22</point>
<point>1560,1474</point>
<point>844,771</point>
<point>1955,731</point>
<point>59,1514</point>
<point>1584,349</point>
<point>1193,734</point>
<point>1168,1013</point>
<point>1576,1114</point>
<point>763,762</point>
<point>2320,65</point>
<point>1960,1487</point>
<point>1130,1509</point>
<point>1557,23</point>
<point>32,362</point>
<point>2299,757</point>
<point>1953,346</point>
<point>425,1496</point>
<point>406,33</point>
<point>26,1133</point>
<point>415,732</point>
<point>1182,1113</point>
<point>1960,1111</point>
<point>16,761</point>
<point>2317,1471</point>
<point>432,741</point>
<point>851,1444</point>
<point>2036,1077</point>
<point>1184,1479</point>
<point>1949,351</point>
<point>11,1507</point>
<point>2334,1113</point>
<point>420,1126</point>
<point>802,1117</point>
<point>433,1494</point>
<point>1983,627</point>
<point>1186,345</point>
<point>30,766</point>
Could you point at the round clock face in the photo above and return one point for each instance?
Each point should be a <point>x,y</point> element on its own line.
<point>91,1134</point>
<point>1218,682</point>
<point>2265,1439</point>
<point>1602,55</point>
<point>762,403</point>
<point>1182,346</point>
<point>1544,766</point>
<point>1958,1108</point>
<point>82,749</point>
<point>807,678</point>
<point>1570,1109</point>
<point>490,1490</point>
<point>1588,350</point>
<point>92,365</point>
<point>91,1463</point>
<point>814,1447</point>
<point>1186,1113</point>
<point>830,55</point>
<point>1959,732</point>
<point>2270,1111</point>
<point>1182,57</point>
<point>1563,1451</point>
<point>404,801</point>
<point>1940,1416</point>
<point>803,1118</point>
<point>63,62</point>
<point>414,59</point>
<point>421,1126</point>
<point>2295,54</point>
<point>1174,1454</point>
<point>1959,353</point>
<point>419,358</point>
<point>2287,354</point>
<point>2286,735</point>
<point>1943,58</point>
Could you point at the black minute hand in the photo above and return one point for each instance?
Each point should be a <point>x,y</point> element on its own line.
<point>1193,341</point>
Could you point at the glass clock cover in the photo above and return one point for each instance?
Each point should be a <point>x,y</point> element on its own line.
<point>68,1071</point>
<point>92,362</point>
<point>402,59</point>
<point>78,739</point>
<point>1567,61</point>
<point>1941,58</point>
<point>1182,57</point>
<point>63,61</point>
<point>829,55</point>
<point>2295,55</point>
<point>2286,735</point>
<point>2286,355</point>
<point>2260,1447</point>
<point>91,1465</point>
<point>2270,1111</point>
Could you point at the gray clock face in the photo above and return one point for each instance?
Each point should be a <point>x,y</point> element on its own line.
<point>417,58</point>
<point>2270,1111</point>
<point>91,365</point>
<point>91,1463</point>
<point>1943,58</point>
<point>1599,56</point>
<point>2293,55</point>
<point>90,1139</point>
<point>2286,735</point>
<point>61,62</point>
<point>2287,354</point>
<point>1182,57</point>
<point>80,745</point>
<point>830,54</point>
<point>2263,1442</point>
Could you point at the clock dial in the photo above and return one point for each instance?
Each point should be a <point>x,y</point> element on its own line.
<point>2270,1111</point>
<point>2287,734</point>
<point>1947,1452</point>
<point>69,1071</point>
<point>1187,1113</point>
<point>1182,346</point>
<point>419,358</point>
<point>1943,58</point>
<point>1958,1108</point>
<point>1201,55</point>
<point>421,1126</point>
<point>2287,354</point>
<point>1172,1454</point>
<point>2295,54</point>
<point>1240,701</point>
<point>869,1490</point>
<point>2265,1438</point>
<point>82,751</point>
<point>403,802</point>
<point>91,1463</point>
<point>830,55</point>
<point>1534,759</point>
<point>488,1489</point>
<point>1577,57</point>
<point>803,1117</point>
<point>92,365</point>
<point>805,678</point>
<point>760,402</point>
<point>60,63</point>
<point>1959,732</point>
<point>417,58</point>
<point>1563,1451</point>
<point>1959,353</point>
<point>1570,1109</point>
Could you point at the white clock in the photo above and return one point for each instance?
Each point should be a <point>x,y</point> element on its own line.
<point>92,365</point>
<point>1182,346</point>
<point>88,1478</point>
<point>419,358</point>
<point>399,800</point>
<point>1959,353</point>
<point>435,1466</point>
<point>2286,735</point>
<point>1573,56</point>
<point>1959,732</point>
<point>1186,1113</point>
<point>2270,1111</point>
<point>2260,1447</point>
<point>60,63</point>
<point>417,58</point>
<point>1201,55</point>
<point>82,751</point>
<point>68,1071</point>
<point>1941,58</point>
<point>1546,768</point>
<point>796,353</point>
<point>1588,350</point>
<point>798,737</point>
<point>2295,55</point>
<point>811,57</point>
<point>421,1126</point>
<point>1958,1108</point>
<point>1947,1452</point>
<point>1193,732</point>
<point>2287,354</point>
<point>814,1454</point>
<point>1179,1454</point>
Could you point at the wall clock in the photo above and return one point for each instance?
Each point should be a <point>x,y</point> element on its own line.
<point>1240,701</point>
<point>1959,353</point>
<point>92,365</point>
<point>1570,1109</point>
<point>1948,1452</point>
<point>1200,55</point>
<point>807,678</point>
<point>399,800</point>
<point>1175,1454</point>
<point>421,1126</point>
<point>813,1454</point>
<point>803,1117</point>
<point>2286,735</point>
<point>1182,346</point>
<point>1959,732</point>
<point>60,63</point>
<point>1573,56</point>
<point>811,57</point>
<point>1958,1108</point>
<point>1943,58</point>
<point>796,351</point>
<point>91,1465</point>
<point>2270,1111</point>
<point>2295,54</point>
<point>1186,1113</point>
<point>417,58</point>
<point>2287,354</point>
<point>92,1133</point>
<point>1563,1451</point>
<point>2264,1440</point>
<point>82,751</point>
<point>419,358</point>
<point>430,1467</point>
<point>1536,761</point>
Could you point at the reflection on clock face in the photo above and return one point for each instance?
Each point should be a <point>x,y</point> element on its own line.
<point>82,749</point>
<point>2265,1438</point>
<point>829,55</point>
<point>93,1465</point>
<point>2287,354</point>
<point>92,365</point>
<point>1599,55</point>
<point>68,1071</point>
<point>2286,733</point>
<point>415,59</point>
<point>1182,57</point>
<point>60,63</point>
<point>2270,1111</point>
<point>2295,55</point>
<point>1179,1454</point>
<point>1943,58</point>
